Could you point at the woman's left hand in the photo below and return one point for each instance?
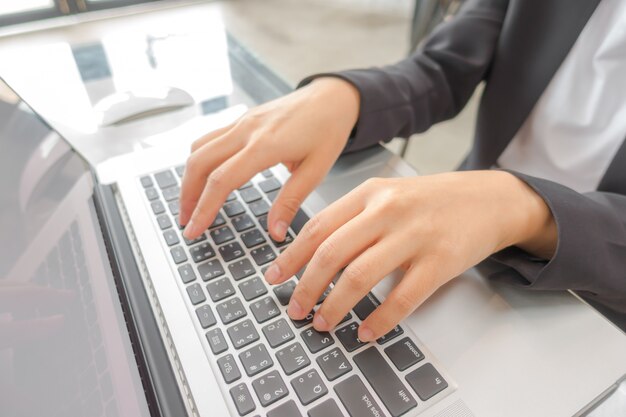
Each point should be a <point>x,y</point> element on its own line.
<point>433,227</point>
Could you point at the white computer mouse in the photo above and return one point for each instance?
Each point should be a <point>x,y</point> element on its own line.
<point>126,106</point>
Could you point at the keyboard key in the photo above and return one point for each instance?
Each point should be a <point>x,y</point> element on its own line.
<point>242,398</point>
<point>241,269</point>
<point>206,316</point>
<point>231,251</point>
<point>171,193</point>
<point>250,194</point>
<point>219,221</point>
<point>157,207</point>
<point>390,389</point>
<point>334,364</point>
<point>186,273</point>
<point>252,288</point>
<point>317,341</point>
<point>269,184</point>
<point>348,336</point>
<point>292,358</point>
<point>301,323</point>
<point>180,170</point>
<point>199,239</point>
<point>165,179</point>
<point>404,354</point>
<point>210,270</point>
<point>196,295</point>
<point>174,207</point>
<point>180,226</point>
<point>357,399</point>
<point>228,368</point>
<point>171,237</point>
<point>288,409</point>
<point>164,221</point>
<point>246,185</point>
<point>259,207</point>
<point>264,309</point>
<point>243,222</point>
<point>426,381</point>
<point>242,334</point>
<point>146,181</point>
<point>271,196</point>
<point>365,307</point>
<point>220,289</point>
<point>217,341</point>
<point>201,252</point>
<point>234,208</point>
<point>263,222</point>
<point>152,194</point>
<point>267,173</point>
<point>323,296</point>
<point>309,387</point>
<point>284,291</point>
<point>263,255</point>
<point>299,221</point>
<point>252,238</point>
<point>288,239</point>
<point>278,333</point>
<point>222,234</point>
<point>231,310</point>
<point>392,334</point>
<point>255,360</point>
<point>178,254</point>
<point>328,408</point>
<point>270,388</point>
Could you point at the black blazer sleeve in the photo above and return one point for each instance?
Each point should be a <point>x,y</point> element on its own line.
<point>432,85</point>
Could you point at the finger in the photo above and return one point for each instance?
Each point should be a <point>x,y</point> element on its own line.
<point>199,165</point>
<point>14,333</point>
<point>197,144</point>
<point>303,180</point>
<point>14,296</point>
<point>334,253</point>
<point>358,278</point>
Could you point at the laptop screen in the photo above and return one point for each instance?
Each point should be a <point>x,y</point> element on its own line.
<point>64,346</point>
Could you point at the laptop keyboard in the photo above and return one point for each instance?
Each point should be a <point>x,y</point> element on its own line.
<point>272,365</point>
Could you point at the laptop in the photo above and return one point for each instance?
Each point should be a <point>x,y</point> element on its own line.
<point>106,310</point>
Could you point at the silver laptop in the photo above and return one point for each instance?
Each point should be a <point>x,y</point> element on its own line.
<point>107,310</point>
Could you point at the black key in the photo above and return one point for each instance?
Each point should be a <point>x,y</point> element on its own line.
<point>178,254</point>
<point>404,354</point>
<point>252,288</point>
<point>328,408</point>
<point>288,409</point>
<point>171,193</point>
<point>242,334</point>
<point>186,273</point>
<point>263,255</point>
<point>252,238</point>
<point>269,184</point>
<point>201,252</point>
<point>165,179</point>
<point>345,319</point>
<point>231,197</point>
<point>222,234</point>
<point>234,208</point>
<point>219,220</point>
<point>315,340</point>
<point>174,207</point>
<point>246,185</point>
<point>348,336</point>
<point>210,270</point>
<point>272,195</point>
<point>323,296</point>
<point>259,207</point>
<point>426,381</point>
<point>284,291</point>
<point>206,316</point>
<point>241,269</point>
<point>196,295</point>
<point>263,222</point>
<point>357,399</point>
<point>255,360</point>
<point>288,239</point>
<point>267,173</point>
<point>309,387</point>
<point>306,320</point>
<point>299,221</point>
<point>217,341</point>
<point>231,310</point>
<point>334,364</point>
<point>152,194</point>
<point>180,170</point>
<point>392,334</point>
<point>243,222</point>
<point>365,307</point>
<point>228,368</point>
<point>264,309</point>
<point>164,221</point>
<point>292,358</point>
<point>242,398</point>
<point>231,251</point>
<point>171,237</point>
<point>390,389</point>
<point>270,388</point>
<point>220,289</point>
<point>250,194</point>
<point>278,333</point>
<point>146,181</point>
<point>157,207</point>
<point>199,239</point>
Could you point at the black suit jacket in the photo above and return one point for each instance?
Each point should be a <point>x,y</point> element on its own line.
<point>515,46</point>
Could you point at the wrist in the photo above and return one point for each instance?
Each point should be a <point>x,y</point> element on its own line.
<point>339,94</point>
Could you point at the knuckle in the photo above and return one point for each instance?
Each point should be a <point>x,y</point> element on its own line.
<point>303,293</point>
<point>403,303</point>
<point>312,229</point>
<point>326,253</point>
<point>197,144</point>
<point>290,204</point>
<point>216,179</point>
<point>353,277</point>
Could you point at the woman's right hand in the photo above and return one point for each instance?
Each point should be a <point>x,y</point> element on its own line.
<point>305,130</point>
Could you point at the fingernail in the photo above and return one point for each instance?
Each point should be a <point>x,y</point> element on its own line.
<point>280,228</point>
<point>190,229</point>
<point>272,274</point>
<point>320,323</point>
<point>365,333</point>
<point>295,310</point>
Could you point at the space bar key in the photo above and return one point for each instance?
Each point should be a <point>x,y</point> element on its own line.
<point>385,382</point>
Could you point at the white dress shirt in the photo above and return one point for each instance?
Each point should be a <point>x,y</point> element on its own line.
<point>579,122</point>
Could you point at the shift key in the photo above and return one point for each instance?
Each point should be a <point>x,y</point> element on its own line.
<point>385,382</point>
<point>357,399</point>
